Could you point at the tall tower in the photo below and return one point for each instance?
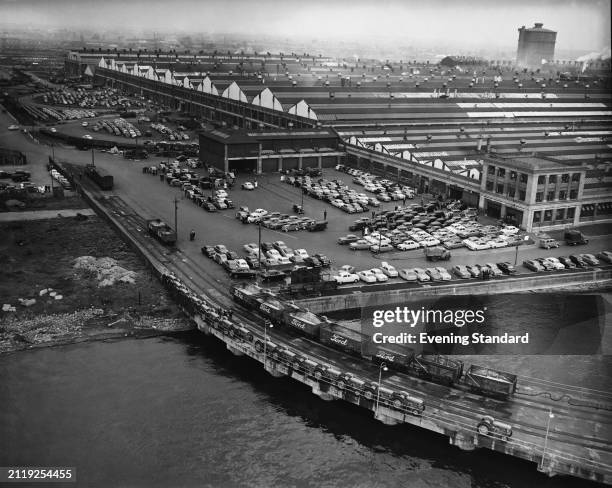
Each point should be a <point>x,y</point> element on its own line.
<point>534,45</point>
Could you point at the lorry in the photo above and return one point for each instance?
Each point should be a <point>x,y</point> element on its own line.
<point>489,426</point>
<point>161,231</point>
<point>573,237</point>
<point>435,253</point>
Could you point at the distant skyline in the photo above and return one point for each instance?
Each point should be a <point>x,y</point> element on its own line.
<point>466,24</point>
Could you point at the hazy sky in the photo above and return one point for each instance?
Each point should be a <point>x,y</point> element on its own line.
<point>581,24</point>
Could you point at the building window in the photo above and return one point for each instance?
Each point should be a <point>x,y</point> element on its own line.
<point>562,195</point>
<point>537,216</point>
<point>501,172</point>
<point>499,188</point>
<point>576,177</point>
<point>524,178</point>
<point>539,196</point>
<point>550,196</point>
<point>573,194</point>
<point>571,212</point>
<point>547,215</point>
<point>489,185</point>
<point>565,178</point>
<point>511,191</point>
<point>541,179</point>
<point>522,195</point>
<point>491,170</point>
<point>552,179</point>
<point>560,214</point>
<point>513,175</point>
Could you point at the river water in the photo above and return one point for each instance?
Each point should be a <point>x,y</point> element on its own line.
<point>182,411</point>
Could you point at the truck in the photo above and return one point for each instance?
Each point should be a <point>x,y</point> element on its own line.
<point>100,177</point>
<point>573,237</point>
<point>438,368</point>
<point>491,427</point>
<point>435,253</point>
<point>490,382</point>
<point>161,231</point>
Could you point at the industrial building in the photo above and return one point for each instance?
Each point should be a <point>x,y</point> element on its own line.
<point>534,151</point>
<point>536,46</point>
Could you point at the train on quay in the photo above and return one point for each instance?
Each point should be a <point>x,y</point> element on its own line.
<point>437,368</point>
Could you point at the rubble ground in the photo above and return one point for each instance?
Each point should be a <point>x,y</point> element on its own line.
<point>67,279</point>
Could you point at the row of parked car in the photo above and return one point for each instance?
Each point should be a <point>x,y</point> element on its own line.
<point>278,221</point>
<point>172,134</point>
<point>386,190</point>
<point>118,127</point>
<point>276,257</point>
<point>106,97</point>
<point>568,262</point>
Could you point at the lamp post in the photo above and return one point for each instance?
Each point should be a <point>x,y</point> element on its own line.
<point>267,324</point>
<point>550,417</point>
<point>526,238</point>
<point>383,367</point>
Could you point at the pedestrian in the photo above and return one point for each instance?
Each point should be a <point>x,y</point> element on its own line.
<point>192,235</point>
<point>255,183</point>
<point>324,214</point>
<point>404,200</point>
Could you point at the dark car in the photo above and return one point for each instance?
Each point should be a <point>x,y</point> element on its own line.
<point>253,262</point>
<point>359,224</point>
<point>567,262</point>
<point>273,275</point>
<point>243,274</point>
<point>231,255</point>
<point>347,239</point>
<point>605,256</point>
<point>312,261</point>
<point>324,260</point>
<point>209,207</point>
<point>547,265</point>
<point>578,261</point>
<point>208,251</point>
<point>533,265</point>
<point>266,246</point>
<point>506,268</point>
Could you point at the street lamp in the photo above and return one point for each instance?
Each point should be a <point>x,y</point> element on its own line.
<point>526,238</point>
<point>267,324</point>
<point>550,417</point>
<point>383,367</point>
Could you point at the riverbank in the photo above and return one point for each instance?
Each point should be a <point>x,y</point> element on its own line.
<point>62,286</point>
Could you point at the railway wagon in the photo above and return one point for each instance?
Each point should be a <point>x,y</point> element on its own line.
<point>490,382</point>
<point>437,368</point>
<point>247,295</point>
<point>338,337</point>
<point>100,177</point>
<point>271,308</point>
<point>161,231</point>
<point>399,360</point>
<point>306,323</point>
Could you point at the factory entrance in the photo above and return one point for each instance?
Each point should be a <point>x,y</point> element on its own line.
<point>242,165</point>
<point>492,209</point>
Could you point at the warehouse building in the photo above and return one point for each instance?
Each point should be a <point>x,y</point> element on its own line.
<point>536,46</point>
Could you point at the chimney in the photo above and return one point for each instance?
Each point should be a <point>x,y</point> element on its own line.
<point>538,25</point>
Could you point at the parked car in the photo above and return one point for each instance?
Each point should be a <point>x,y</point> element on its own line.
<point>555,263</point>
<point>408,274</point>
<point>359,245</point>
<point>346,277</point>
<point>578,261</point>
<point>376,248</point>
<point>567,262</point>
<point>421,274</point>
<point>247,185</point>
<point>445,275</point>
<point>533,265</point>
<point>347,239</point>
<point>475,270</point>
<point>312,261</point>
<point>273,275</point>
<point>494,269</point>
<point>434,274</point>
<point>506,268</point>
<point>547,265</point>
<point>590,259</point>
<point>461,271</point>
<point>251,248</point>
<point>605,256</point>
<point>367,276</point>
<point>209,207</point>
<point>380,276</point>
<point>388,269</point>
<point>208,251</point>
<point>408,245</point>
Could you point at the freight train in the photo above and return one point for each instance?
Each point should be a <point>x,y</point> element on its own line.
<point>436,368</point>
<point>100,177</point>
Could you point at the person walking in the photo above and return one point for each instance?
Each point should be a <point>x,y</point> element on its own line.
<point>192,235</point>
<point>324,214</point>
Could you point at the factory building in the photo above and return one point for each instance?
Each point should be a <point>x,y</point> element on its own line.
<point>536,46</point>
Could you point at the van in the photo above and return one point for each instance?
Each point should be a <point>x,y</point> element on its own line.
<point>547,243</point>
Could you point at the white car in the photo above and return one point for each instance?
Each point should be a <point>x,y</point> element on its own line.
<point>255,216</point>
<point>510,230</point>
<point>408,245</point>
<point>53,129</point>
<point>408,274</point>
<point>443,273</point>
<point>421,274</point>
<point>429,242</point>
<point>388,269</point>
<point>346,277</point>
<point>247,185</point>
<point>251,248</point>
<point>301,253</point>
<point>283,260</point>
<point>221,194</point>
<point>495,271</point>
<point>555,262</point>
<point>271,262</point>
<point>380,276</point>
<point>367,276</point>
<point>87,136</point>
<point>13,127</point>
<point>273,254</point>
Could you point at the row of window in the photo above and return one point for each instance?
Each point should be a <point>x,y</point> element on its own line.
<point>558,214</point>
<point>501,173</point>
<point>550,196</point>
<point>552,179</point>
<point>512,193</point>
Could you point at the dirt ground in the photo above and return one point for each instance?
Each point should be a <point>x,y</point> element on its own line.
<point>40,255</point>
